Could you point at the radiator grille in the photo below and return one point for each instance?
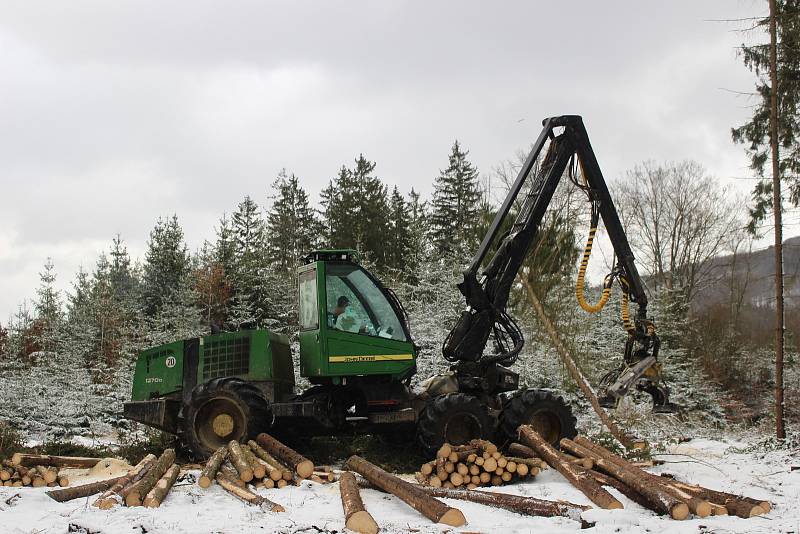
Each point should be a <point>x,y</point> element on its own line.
<point>226,357</point>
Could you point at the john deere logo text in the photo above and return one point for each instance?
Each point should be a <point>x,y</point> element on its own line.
<point>370,358</point>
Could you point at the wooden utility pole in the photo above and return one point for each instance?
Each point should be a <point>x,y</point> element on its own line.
<point>777,208</point>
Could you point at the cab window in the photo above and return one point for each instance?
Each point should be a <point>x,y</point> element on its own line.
<point>309,318</point>
<point>355,304</point>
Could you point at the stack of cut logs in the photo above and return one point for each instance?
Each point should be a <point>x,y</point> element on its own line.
<point>39,470</point>
<point>477,463</point>
<point>590,467</point>
<point>265,463</point>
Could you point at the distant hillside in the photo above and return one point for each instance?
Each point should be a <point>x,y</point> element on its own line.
<point>754,276</point>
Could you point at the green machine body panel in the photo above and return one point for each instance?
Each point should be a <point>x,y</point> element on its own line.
<point>253,355</point>
<point>159,372</point>
<point>367,336</point>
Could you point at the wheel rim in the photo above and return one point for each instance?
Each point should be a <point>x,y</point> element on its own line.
<point>219,421</point>
<point>548,425</point>
<point>460,428</point>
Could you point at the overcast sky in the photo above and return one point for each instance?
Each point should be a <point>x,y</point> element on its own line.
<point>115,113</point>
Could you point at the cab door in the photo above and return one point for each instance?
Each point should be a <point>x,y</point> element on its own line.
<point>311,311</point>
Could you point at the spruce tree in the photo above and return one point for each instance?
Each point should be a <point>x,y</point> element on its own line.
<point>754,133</point>
<point>340,201</point>
<point>372,218</point>
<point>166,265</point>
<point>293,229</point>
<point>356,211</point>
<point>251,306</point>
<point>399,239</point>
<point>48,310</point>
<point>455,209</point>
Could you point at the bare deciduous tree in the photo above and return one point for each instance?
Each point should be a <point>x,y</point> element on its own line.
<point>677,218</point>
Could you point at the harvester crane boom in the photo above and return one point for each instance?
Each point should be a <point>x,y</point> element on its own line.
<point>487,291</point>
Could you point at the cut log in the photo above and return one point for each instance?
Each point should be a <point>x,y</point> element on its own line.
<point>301,465</point>
<point>428,506</point>
<point>576,477</point>
<point>63,481</point>
<point>490,465</point>
<point>5,474</point>
<point>521,451</point>
<point>660,495</point>
<point>31,460</point>
<point>356,517</point>
<point>514,503</point>
<point>49,474</point>
<point>444,451</point>
<point>585,447</point>
<point>209,472</point>
<point>279,471</point>
<point>140,489</point>
<point>229,484</point>
<point>38,482</point>
<point>233,474</point>
<point>114,493</point>
<point>605,480</point>
<point>425,469</point>
<point>483,445</point>
<point>84,490</point>
<point>737,505</point>
<point>327,476</point>
<point>259,471</point>
<point>441,472</point>
<point>159,492</point>
<point>237,458</point>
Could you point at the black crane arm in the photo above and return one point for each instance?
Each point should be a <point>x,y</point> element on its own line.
<point>487,292</point>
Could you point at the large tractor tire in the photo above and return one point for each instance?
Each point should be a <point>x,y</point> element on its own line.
<point>545,411</point>
<point>221,410</point>
<point>453,418</point>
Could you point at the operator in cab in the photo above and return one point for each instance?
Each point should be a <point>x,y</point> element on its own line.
<point>345,319</point>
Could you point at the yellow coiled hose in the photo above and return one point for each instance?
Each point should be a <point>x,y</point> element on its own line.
<point>579,283</point>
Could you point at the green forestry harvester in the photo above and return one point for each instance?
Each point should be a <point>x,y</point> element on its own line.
<point>357,351</point>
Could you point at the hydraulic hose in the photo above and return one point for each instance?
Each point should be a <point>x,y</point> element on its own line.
<point>579,283</point>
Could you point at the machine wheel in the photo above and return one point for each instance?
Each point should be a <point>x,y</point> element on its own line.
<point>453,418</point>
<point>221,410</point>
<point>545,411</point>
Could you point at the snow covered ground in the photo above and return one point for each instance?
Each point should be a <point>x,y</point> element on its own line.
<point>317,508</point>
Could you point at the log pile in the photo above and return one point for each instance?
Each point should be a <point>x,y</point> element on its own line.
<point>15,473</point>
<point>652,491</point>
<point>475,464</point>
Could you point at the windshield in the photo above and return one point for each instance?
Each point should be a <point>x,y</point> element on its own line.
<point>355,304</point>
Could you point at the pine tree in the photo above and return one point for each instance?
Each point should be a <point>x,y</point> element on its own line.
<point>292,224</point>
<point>166,264</point>
<point>49,315</point>
<point>455,209</point>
